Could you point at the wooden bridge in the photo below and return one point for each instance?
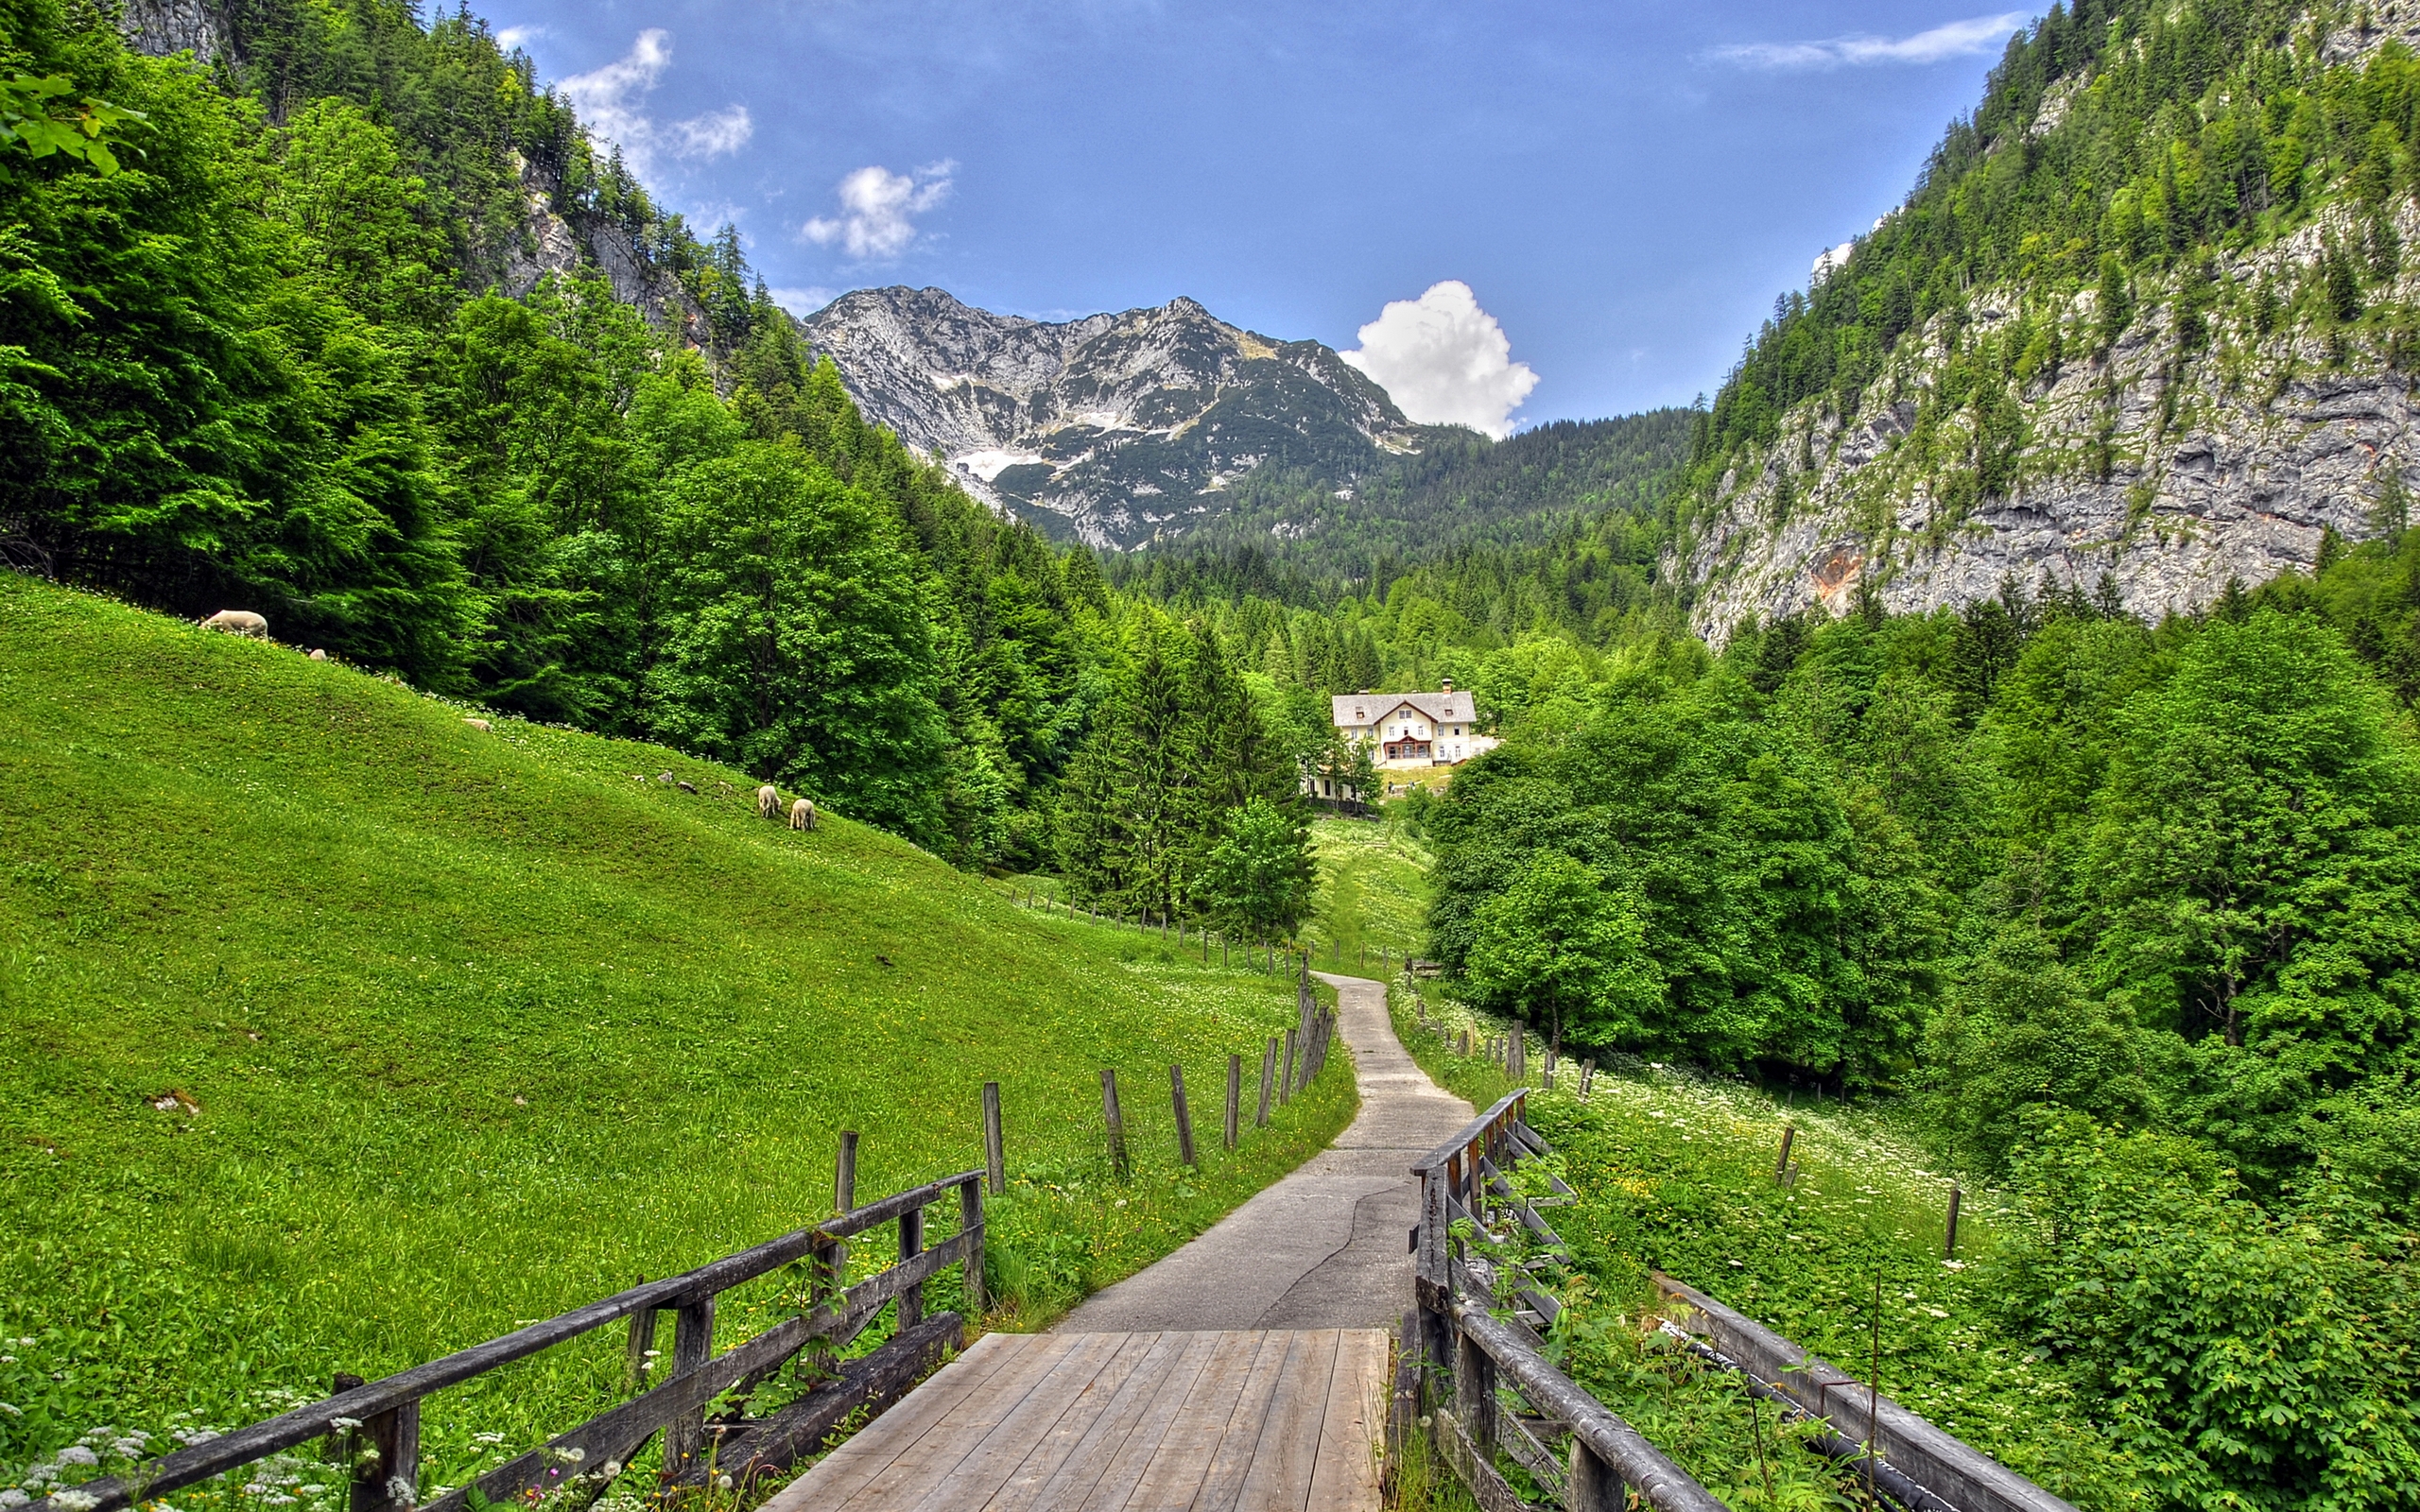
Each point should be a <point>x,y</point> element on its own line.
<point>1240,1422</point>
<point>1306,1419</point>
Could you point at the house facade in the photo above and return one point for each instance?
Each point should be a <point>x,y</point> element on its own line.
<point>1413,729</point>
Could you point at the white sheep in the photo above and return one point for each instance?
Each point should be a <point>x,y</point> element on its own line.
<point>768,802</point>
<point>801,815</point>
<point>479,725</point>
<point>318,655</point>
<point>238,622</point>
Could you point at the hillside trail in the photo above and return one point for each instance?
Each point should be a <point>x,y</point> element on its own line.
<point>1325,1248</point>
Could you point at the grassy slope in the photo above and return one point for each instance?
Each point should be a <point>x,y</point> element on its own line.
<point>482,1025</point>
<point>1373,893</point>
<point>1676,1174</point>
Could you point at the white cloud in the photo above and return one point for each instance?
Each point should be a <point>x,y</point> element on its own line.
<point>875,207</point>
<point>511,38</point>
<point>1444,361</point>
<point>806,302</point>
<point>611,101</point>
<point>1832,261</point>
<point>1956,39</point>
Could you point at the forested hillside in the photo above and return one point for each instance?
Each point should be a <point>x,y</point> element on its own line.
<point>2125,913</point>
<point>2149,311</point>
<point>263,351</point>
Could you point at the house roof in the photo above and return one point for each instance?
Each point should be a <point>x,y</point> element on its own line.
<point>1368,708</point>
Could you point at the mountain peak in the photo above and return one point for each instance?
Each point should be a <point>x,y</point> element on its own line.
<point>1118,429</point>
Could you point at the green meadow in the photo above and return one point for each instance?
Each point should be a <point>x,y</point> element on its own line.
<point>336,1034</point>
<point>1372,893</point>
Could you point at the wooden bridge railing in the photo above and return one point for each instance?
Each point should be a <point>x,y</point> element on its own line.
<point>376,1425</point>
<point>1453,1335</point>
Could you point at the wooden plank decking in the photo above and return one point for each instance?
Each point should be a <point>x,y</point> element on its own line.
<point>1240,1421</point>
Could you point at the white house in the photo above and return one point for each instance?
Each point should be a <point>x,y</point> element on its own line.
<point>1412,728</point>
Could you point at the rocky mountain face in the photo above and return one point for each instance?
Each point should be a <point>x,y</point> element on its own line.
<point>2177,350</point>
<point>1118,429</point>
<point>2172,461</point>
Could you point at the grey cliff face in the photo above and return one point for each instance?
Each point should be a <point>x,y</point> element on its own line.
<point>2169,464</point>
<point>1121,428</point>
<point>159,28</point>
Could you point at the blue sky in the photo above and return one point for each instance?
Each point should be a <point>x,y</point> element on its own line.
<point>1624,188</point>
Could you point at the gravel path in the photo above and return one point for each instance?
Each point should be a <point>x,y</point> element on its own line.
<point>1326,1247</point>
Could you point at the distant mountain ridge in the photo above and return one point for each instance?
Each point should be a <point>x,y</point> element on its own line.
<point>1118,429</point>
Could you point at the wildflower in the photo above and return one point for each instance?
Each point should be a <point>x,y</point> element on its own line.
<point>74,1500</point>
<point>12,1496</point>
<point>486,1438</point>
<point>343,1425</point>
<point>612,1468</point>
<point>722,1482</point>
<point>77,1454</point>
<point>127,1448</point>
<point>278,1500</point>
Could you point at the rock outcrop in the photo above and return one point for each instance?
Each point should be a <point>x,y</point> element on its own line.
<point>2169,458</point>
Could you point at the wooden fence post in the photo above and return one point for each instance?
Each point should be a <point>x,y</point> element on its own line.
<point>1267,1076</point>
<point>1285,1087</point>
<point>1949,1248</point>
<point>1520,1056</point>
<point>1595,1486</point>
<point>1475,1392</point>
<point>382,1457</point>
<point>1235,1096</point>
<point>970,1220</point>
<point>911,1244</point>
<point>1587,1075</point>
<point>1781,1167</point>
<point>693,1345</point>
<point>844,1196</point>
<point>996,1165</point>
<point>1184,1117</point>
<point>1116,1125</point>
<point>641,1346</point>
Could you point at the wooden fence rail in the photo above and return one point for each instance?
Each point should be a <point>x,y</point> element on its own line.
<point>375,1425</point>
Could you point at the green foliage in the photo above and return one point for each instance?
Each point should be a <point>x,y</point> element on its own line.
<point>1785,919</point>
<point>1559,947</point>
<point>1260,879</point>
<point>36,119</point>
<point>2243,1356</point>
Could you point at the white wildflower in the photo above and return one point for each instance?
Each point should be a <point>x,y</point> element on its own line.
<point>612,1468</point>
<point>12,1496</point>
<point>343,1425</point>
<point>74,1500</point>
<point>277,1501</point>
<point>722,1482</point>
<point>77,1454</point>
<point>486,1438</point>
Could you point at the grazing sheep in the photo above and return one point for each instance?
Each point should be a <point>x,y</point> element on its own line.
<point>318,655</point>
<point>238,622</point>
<point>768,802</point>
<point>479,725</point>
<point>664,778</point>
<point>689,788</point>
<point>801,815</point>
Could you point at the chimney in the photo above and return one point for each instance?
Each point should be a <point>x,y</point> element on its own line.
<point>1449,684</point>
